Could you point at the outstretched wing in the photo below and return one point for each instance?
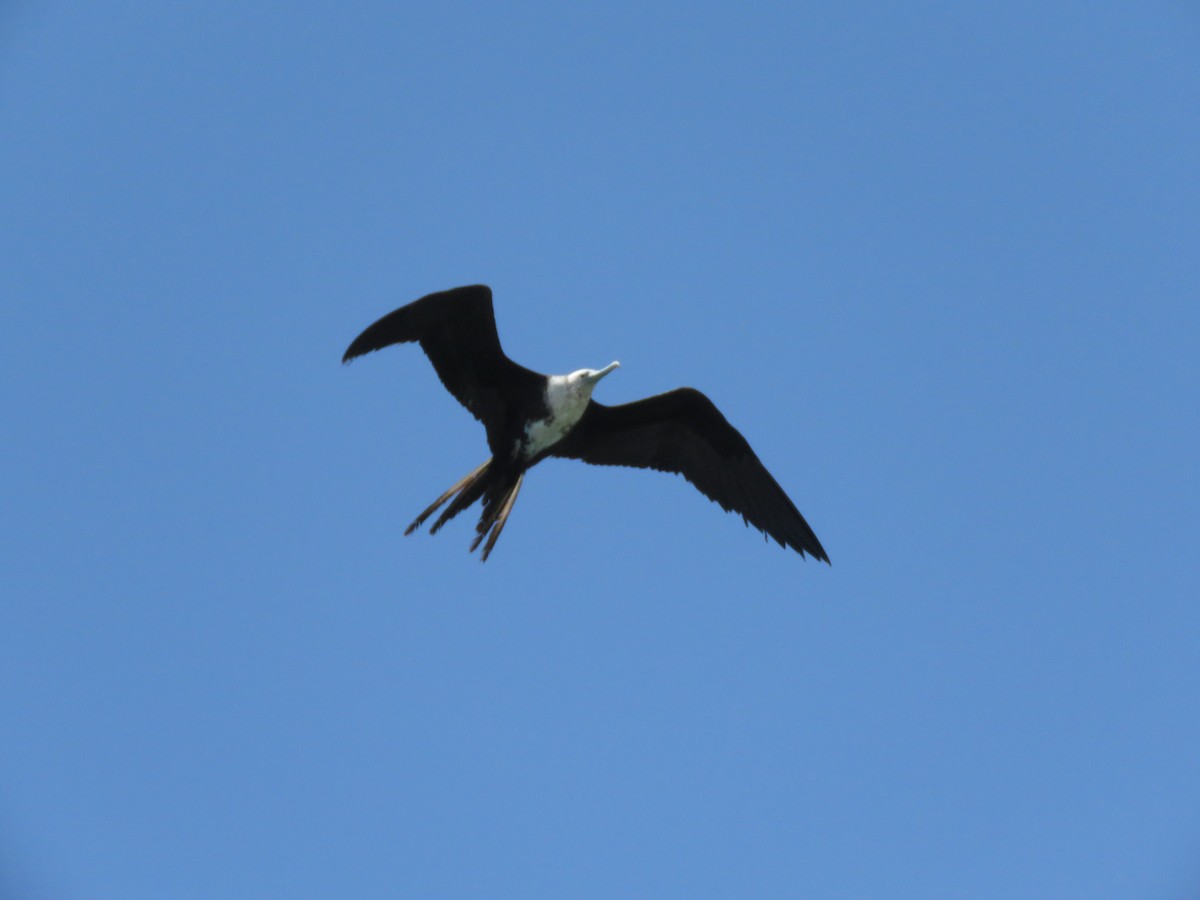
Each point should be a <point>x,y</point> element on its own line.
<point>457,331</point>
<point>682,432</point>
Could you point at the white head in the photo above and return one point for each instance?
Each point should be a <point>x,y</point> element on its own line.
<point>585,380</point>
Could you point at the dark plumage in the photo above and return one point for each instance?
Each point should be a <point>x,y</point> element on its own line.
<point>529,416</point>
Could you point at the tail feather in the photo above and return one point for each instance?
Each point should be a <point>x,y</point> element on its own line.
<point>474,479</point>
<point>497,507</point>
<point>499,491</point>
<point>465,498</point>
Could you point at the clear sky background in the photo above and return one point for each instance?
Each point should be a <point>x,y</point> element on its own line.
<point>937,261</point>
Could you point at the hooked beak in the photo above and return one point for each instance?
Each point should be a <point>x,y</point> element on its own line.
<point>602,372</point>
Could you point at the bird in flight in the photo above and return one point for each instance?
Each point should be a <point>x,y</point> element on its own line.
<point>529,416</point>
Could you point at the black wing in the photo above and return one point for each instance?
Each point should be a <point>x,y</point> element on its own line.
<point>457,331</point>
<point>683,432</point>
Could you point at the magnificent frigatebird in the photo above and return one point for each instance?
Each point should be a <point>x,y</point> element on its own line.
<point>529,416</point>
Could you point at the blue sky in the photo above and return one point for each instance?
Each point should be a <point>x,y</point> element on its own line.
<point>937,261</point>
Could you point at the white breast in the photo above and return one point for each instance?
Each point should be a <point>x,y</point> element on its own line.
<point>567,399</point>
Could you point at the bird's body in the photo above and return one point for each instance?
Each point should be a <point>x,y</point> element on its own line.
<point>529,416</point>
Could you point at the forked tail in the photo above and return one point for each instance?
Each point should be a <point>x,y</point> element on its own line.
<point>499,493</point>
